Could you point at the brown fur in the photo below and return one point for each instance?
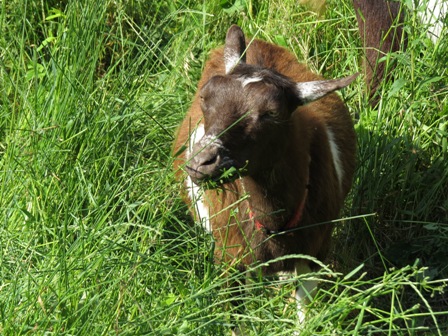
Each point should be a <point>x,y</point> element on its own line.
<point>303,151</point>
<point>381,33</point>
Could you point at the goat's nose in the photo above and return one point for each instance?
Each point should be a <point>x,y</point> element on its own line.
<point>209,161</point>
<point>205,164</point>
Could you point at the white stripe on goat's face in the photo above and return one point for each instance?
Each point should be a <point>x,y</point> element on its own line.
<point>248,80</point>
<point>195,137</point>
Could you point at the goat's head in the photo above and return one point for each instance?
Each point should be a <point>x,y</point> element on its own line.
<point>246,114</point>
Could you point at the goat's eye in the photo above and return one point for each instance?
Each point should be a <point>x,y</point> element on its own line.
<point>202,103</point>
<point>271,114</point>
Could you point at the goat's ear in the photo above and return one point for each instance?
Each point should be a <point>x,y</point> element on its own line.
<point>234,48</point>
<point>310,91</point>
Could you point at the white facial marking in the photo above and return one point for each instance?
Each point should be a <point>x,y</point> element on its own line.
<point>195,137</point>
<point>198,136</point>
<point>194,192</point>
<point>210,139</point>
<point>247,80</point>
<point>336,154</point>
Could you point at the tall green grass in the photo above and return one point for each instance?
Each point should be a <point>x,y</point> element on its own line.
<point>94,238</point>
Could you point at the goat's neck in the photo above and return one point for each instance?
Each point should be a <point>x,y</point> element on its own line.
<point>275,195</point>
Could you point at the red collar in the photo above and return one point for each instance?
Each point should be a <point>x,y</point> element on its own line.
<point>292,223</point>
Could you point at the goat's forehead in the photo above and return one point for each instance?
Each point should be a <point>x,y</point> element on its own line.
<point>239,84</point>
<point>220,84</point>
<point>248,79</point>
<point>243,91</point>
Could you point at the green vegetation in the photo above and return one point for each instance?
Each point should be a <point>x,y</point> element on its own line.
<point>94,238</point>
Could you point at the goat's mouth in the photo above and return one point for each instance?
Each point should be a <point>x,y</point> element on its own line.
<point>226,173</point>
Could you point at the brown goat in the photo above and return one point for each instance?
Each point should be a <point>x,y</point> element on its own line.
<point>274,149</point>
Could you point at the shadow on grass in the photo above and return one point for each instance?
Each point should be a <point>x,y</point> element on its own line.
<point>406,186</point>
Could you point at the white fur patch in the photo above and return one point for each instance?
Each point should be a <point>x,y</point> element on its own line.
<point>231,60</point>
<point>247,80</point>
<point>210,139</point>
<point>305,291</point>
<point>336,154</point>
<point>194,192</point>
<point>304,295</point>
<point>202,211</point>
<point>195,137</point>
<point>309,91</point>
<point>198,136</point>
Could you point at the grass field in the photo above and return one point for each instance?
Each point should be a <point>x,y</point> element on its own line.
<point>94,238</point>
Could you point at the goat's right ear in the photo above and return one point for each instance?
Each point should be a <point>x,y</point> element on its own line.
<point>310,91</point>
<point>234,48</point>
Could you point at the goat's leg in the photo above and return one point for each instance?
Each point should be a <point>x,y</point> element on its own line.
<point>305,290</point>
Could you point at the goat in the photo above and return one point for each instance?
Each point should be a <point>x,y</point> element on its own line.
<point>286,145</point>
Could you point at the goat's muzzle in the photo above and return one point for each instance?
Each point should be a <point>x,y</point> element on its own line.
<point>209,164</point>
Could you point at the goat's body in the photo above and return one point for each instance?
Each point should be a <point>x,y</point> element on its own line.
<point>317,148</point>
